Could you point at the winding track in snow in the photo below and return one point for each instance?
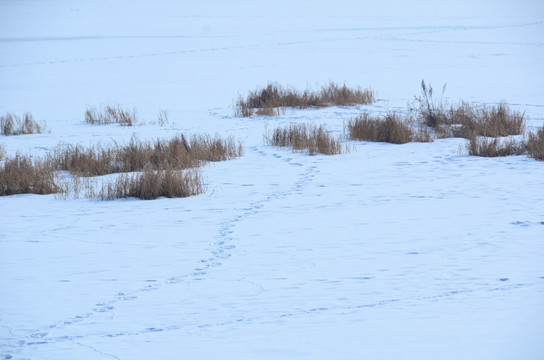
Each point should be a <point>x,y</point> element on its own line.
<point>220,250</point>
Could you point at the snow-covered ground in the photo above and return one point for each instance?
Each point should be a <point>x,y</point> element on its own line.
<point>412,251</point>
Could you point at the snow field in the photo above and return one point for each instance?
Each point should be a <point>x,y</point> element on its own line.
<point>411,251</point>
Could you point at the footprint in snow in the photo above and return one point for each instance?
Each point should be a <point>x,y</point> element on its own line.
<point>103,308</point>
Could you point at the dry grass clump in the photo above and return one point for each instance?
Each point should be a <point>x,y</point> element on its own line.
<point>494,147</point>
<point>110,114</point>
<point>464,119</point>
<point>162,168</point>
<point>334,94</point>
<point>2,152</point>
<point>391,128</point>
<point>535,145</point>
<point>176,153</point>
<point>486,127</point>
<point>165,168</point>
<point>422,134</point>
<point>11,124</point>
<point>305,138</point>
<point>20,175</point>
<point>490,121</point>
<point>91,161</point>
<point>152,184</point>
<point>500,120</point>
<point>206,148</point>
<point>273,99</point>
<point>431,112</point>
<point>162,118</point>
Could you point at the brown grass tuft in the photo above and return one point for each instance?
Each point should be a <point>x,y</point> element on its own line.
<point>391,128</point>
<point>305,138</point>
<point>20,175</point>
<point>176,153</point>
<point>535,145</point>
<point>273,99</point>
<point>431,112</point>
<point>490,121</point>
<point>206,148</point>
<point>152,184</point>
<point>494,147</point>
<point>156,167</point>
<point>110,114</point>
<point>464,119</point>
<point>11,124</point>
<point>159,164</point>
<point>162,118</point>
<point>422,134</point>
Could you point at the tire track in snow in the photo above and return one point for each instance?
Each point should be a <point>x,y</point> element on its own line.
<point>220,249</point>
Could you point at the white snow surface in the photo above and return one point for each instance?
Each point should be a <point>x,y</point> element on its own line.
<point>412,251</point>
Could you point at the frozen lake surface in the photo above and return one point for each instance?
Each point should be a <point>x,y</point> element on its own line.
<point>412,251</point>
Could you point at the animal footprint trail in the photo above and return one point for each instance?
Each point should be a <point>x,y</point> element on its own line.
<point>220,249</point>
<point>223,247</point>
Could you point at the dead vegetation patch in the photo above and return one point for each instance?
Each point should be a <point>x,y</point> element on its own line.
<point>392,128</point>
<point>274,98</point>
<point>494,147</point>
<point>176,153</point>
<point>151,184</point>
<point>11,124</point>
<point>535,144</point>
<point>464,119</point>
<point>162,118</point>
<point>148,170</point>
<point>22,175</point>
<point>311,139</point>
<point>111,114</point>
